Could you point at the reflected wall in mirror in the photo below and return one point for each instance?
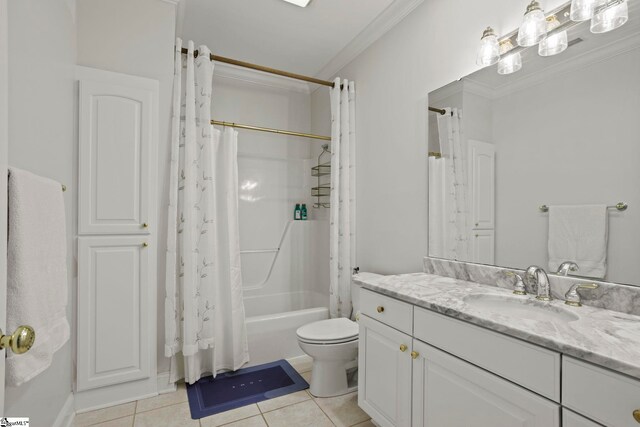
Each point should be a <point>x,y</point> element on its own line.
<point>564,131</point>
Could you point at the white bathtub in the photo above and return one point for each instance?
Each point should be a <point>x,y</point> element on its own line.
<point>272,321</point>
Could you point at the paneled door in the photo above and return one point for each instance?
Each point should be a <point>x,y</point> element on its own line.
<point>117,133</point>
<point>448,391</point>
<point>114,312</point>
<point>482,170</point>
<point>384,373</point>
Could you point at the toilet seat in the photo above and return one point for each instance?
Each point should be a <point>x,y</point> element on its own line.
<point>330,331</point>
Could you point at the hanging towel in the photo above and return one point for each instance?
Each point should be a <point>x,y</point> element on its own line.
<point>37,271</point>
<point>579,234</point>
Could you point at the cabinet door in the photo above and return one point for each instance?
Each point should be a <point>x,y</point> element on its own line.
<point>571,419</point>
<point>115,325</point>
<point>482,184</point>
<point>483,246</point>
<point>117,135</point>
<point>384,373</point>
<point>448,391</point>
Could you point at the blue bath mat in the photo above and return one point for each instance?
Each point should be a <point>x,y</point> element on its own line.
<point>230,390</point>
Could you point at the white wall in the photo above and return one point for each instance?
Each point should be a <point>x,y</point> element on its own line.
<point>137,38</point>
<point>274,175</point>
<point>570,151</point>
<point>42,56</point>
<point>431,47</point>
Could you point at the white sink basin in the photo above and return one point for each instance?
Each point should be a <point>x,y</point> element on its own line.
<point>520,308</point>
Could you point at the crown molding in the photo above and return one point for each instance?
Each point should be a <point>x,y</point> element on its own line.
<point>445,92</point>
<point>239,74</point>
<point>174,2</point>
<point>392,15</point>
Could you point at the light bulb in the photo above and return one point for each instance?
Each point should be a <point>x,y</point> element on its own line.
<point>609,16</point>
<point>489,53</point>
<point>510,63</point>
<point>553,44</point>
<point>534,26</point>
<point>581,10</point>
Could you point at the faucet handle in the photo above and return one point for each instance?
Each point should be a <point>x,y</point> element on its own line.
<point>518,287</point>
<point>572,297</point>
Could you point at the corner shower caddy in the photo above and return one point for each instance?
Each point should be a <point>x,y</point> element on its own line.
<point>323,190</point>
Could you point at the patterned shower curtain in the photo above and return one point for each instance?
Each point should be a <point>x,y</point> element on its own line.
<point>453,147</point>
<point>205,328</point>
<point>342,215</point>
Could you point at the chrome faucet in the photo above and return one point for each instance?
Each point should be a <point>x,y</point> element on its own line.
<point>572,297</point>
<point>566,267</point>
<point>538,276</point>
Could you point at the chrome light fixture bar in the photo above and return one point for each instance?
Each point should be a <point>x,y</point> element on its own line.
<point>605,15</point>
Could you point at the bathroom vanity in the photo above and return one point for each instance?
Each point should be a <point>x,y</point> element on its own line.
<point>439,351</point>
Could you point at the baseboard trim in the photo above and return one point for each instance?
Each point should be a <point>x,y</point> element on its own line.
<point>164,386</point>
<point>302,363</point>
<point>99,398</point>
<point>67,414</point>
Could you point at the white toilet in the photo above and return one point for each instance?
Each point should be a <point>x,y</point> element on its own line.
<point>333,345</point>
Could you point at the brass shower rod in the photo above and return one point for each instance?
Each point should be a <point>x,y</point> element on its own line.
<point>270,130</point>
<point>263,68</point>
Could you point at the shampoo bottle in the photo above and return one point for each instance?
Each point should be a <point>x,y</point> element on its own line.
<point>297,213</point>
<point>303,212</point>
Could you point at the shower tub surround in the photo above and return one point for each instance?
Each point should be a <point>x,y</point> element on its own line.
<point>604,337</point>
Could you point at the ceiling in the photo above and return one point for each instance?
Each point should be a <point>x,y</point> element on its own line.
<point>284,36</point>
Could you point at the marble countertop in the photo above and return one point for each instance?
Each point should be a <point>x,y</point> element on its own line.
<point>607,338</point>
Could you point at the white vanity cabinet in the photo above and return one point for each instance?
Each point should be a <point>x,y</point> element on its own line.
<point>440,371</point>
<point>448,391</point>
<point>384,373</point>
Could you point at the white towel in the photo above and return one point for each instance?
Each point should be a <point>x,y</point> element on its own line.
<point>579,234</point>
<point>37,271</point>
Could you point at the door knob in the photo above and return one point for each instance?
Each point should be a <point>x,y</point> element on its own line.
<point>145,225</point>
<point>145,244</point>
<point>380,309</point>
<point>403,348</point>
<point>636,415</point>
<point>20,341</point>
<point>414,354</point>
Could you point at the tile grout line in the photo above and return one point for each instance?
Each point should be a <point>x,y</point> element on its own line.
<point>322,410</point>
<point>107,421</point>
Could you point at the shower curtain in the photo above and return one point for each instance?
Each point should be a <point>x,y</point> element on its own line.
<point>342,214</point>
<point>455,217</point>
<point>437,208</point>
<point>205,328</point>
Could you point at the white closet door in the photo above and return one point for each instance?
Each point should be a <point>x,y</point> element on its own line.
<point>482,157</point>
<point>483,246</point>
<point>114,310</point>
<point>117,134</point>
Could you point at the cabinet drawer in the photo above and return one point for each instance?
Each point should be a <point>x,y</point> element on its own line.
<point>389,311</point>
<point>602,395</point>
<point>528,365</point>
<point>571,419</point>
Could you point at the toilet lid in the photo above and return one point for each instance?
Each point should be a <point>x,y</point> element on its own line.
<point>330,330</point>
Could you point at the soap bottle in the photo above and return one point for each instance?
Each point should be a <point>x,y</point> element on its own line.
<point>303,212</point>
<point>297,213</point>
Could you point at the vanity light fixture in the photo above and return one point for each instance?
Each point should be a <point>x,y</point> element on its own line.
<point>301,3</point>
<point>582,10</point>
<point>534,26</point>
<point>555,43</point>
<point>489,52</point>
<point>510,63</point>
<point>610,15</point>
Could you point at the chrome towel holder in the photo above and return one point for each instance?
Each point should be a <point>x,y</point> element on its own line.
<point>620,206</point>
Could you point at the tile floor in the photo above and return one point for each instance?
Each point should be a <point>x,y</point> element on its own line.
<point>293,410</point>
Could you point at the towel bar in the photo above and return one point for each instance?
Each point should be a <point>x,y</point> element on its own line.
<point>621,206</point>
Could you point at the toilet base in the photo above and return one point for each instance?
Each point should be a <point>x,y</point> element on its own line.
<point>332,378</point>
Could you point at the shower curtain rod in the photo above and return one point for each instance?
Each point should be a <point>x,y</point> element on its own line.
<point>438,110</point>
<point>263,68</point>
<point>278,131</point>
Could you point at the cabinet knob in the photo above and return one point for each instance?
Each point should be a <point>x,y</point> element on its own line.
<point>145,244</point>
<point>636,415</point>
<point>145,225</point>
<point>414,354</point>
<point>403,348</point>
<point>380,309</point>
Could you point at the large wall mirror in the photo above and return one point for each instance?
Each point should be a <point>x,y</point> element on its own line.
<point>522,166</point>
